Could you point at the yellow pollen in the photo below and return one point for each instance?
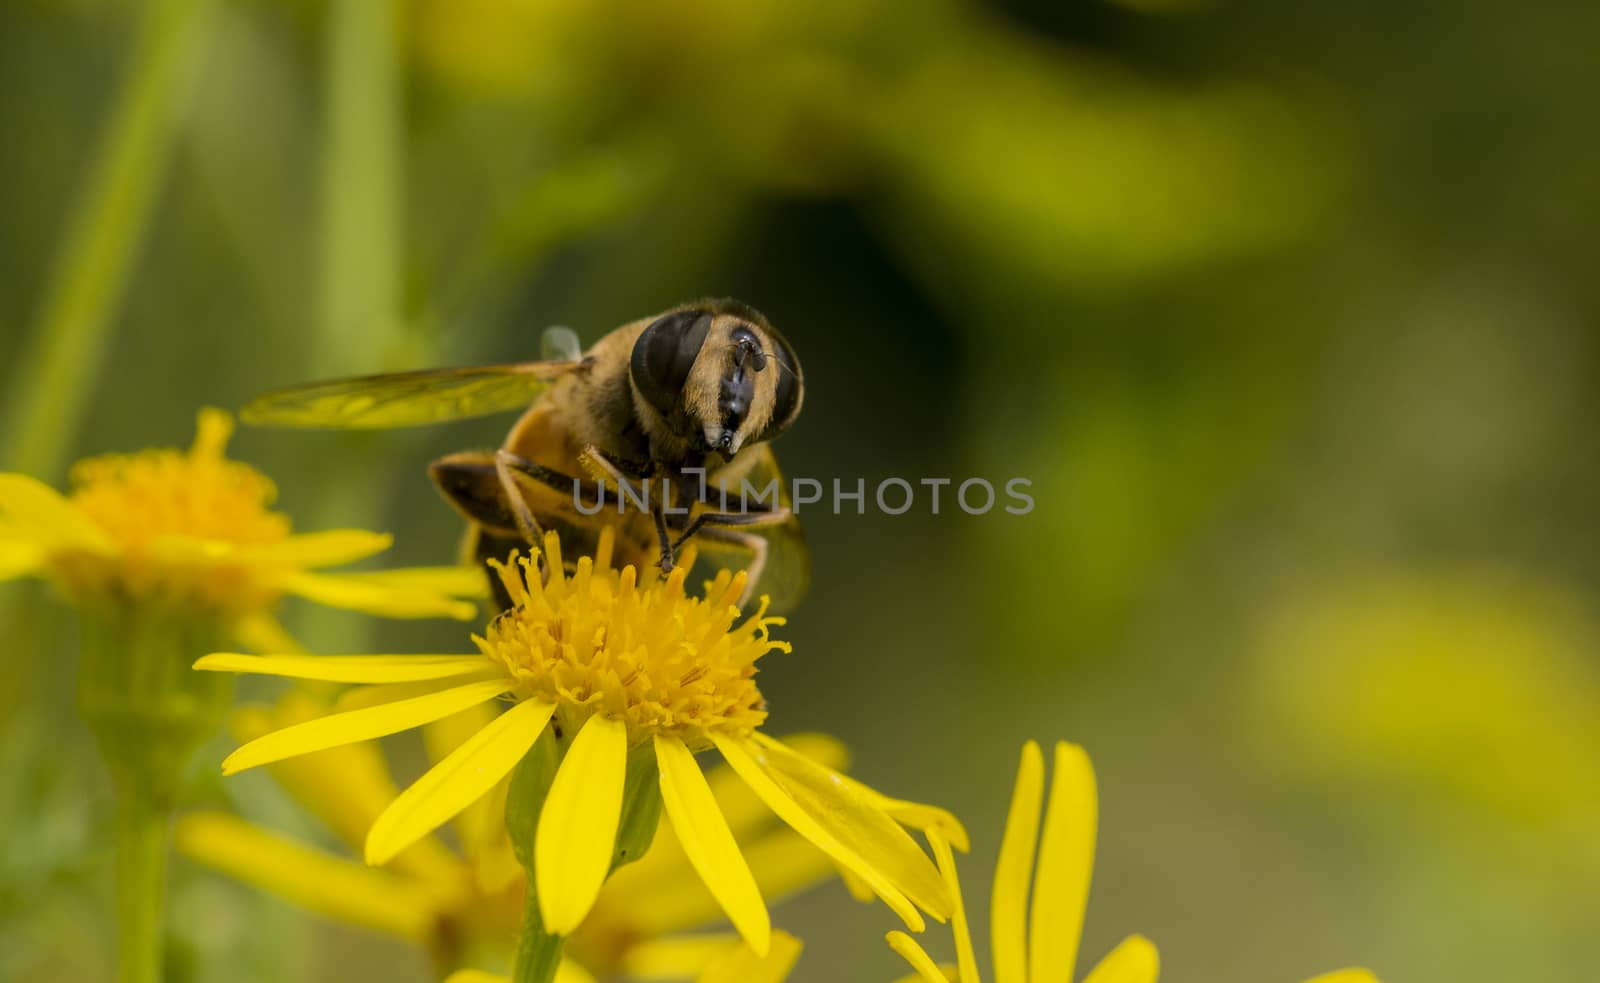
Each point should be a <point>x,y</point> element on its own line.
<point>634,647</point>
<point>150,500</point>
<point>149,495</point>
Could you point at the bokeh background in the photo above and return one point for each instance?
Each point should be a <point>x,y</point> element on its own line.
<point>1287,311</point>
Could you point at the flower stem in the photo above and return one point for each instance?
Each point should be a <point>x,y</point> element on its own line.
<point>148,711</point>
<point>538,951</point>
<point>141,835</point>
<point>359,294</point>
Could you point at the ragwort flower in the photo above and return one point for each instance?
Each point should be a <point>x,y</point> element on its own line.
<point>628,675</point>
<point>194,531</point>
<point>462,907</point>
<point>166,554</point>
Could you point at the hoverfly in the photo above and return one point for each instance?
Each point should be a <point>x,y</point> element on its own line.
<point>681,407</point>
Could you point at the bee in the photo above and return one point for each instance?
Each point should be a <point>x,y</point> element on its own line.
<point>658,430</point>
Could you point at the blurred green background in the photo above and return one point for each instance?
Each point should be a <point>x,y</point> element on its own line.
<point>1288,312</point>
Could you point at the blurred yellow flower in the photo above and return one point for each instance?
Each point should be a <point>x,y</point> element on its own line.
<point>1038,941</point>
<point>610,661</point>
<point>737,963</point>
<point>194,531</point>
<point>167,554</point>
<point>1472,689</point>
<point>463,907</point>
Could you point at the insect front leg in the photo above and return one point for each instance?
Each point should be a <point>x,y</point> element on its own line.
<point>506,466</point>
<point>582,492</point>
<point>754,519</point>
<point>757,546</point>
<point>598,463</point>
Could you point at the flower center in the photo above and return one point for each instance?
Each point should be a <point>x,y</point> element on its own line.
<point>150,495</point>
<point>634,647</point>
<point>165,510</point>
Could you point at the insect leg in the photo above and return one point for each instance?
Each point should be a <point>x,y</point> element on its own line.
<point>757,546</point>
<point>753,519</point>
<point>506,467</point>
<point>598,463</point>
<point>550,477</point>
<point>668,549</point>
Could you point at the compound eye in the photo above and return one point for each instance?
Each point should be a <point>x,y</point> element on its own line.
<point>791,387</point>
<point>663,356</point>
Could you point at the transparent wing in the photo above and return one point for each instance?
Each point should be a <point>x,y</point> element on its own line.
<point>560,343</point>
<point>406,399</point>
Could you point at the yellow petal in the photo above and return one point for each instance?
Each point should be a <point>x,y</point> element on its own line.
<point>457,581</point>
<point>830,831</point>
<point>577,829</point>
<point>347,788</point>
<point>1346,976</point>
<point>1066,861</point>
<point>747,815</point>
<point>32,508</point>
<point>858,888</point>
<point>460,779</point>
<point>918,957</point>
<point>674,957</point>
<point>18,559</point>
<point>361,725</point>
<point>567,972</point>
<point>1133,961</point>
<point>929,819</point>
<point>481,826</point>
<point>709,844</point>
<point>825,749</point>
<point>348,668</point>
<point>655,901</point>
<point>328,548</point>
<point>832,755</point>
<point>571,972</point>
<point>262,633</point>
<point>966,962</point>
<point>741,964</point>
<point>784,863</point>
<point>357,594</point>
<point>861,824</point>
<point>330,886</point>
<point>482,823</point>
<point>1008,905</point>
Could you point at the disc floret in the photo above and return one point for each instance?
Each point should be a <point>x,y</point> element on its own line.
<point>634,648</point>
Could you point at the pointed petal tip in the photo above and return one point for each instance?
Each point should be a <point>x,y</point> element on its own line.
<point>577,827</point>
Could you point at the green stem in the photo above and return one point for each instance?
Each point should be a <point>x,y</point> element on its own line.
<point>68,345</point>
<point>149,711</point>
<point>359,289</point>
<point>538,952</point>
<point>359,294</point>
<point>141,835</point>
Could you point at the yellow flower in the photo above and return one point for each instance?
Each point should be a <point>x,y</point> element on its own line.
<point>463,908</point>
<point>194,531</point>
<point>732,964</point>
<point>612,662</point>
<point>1032,943</point>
